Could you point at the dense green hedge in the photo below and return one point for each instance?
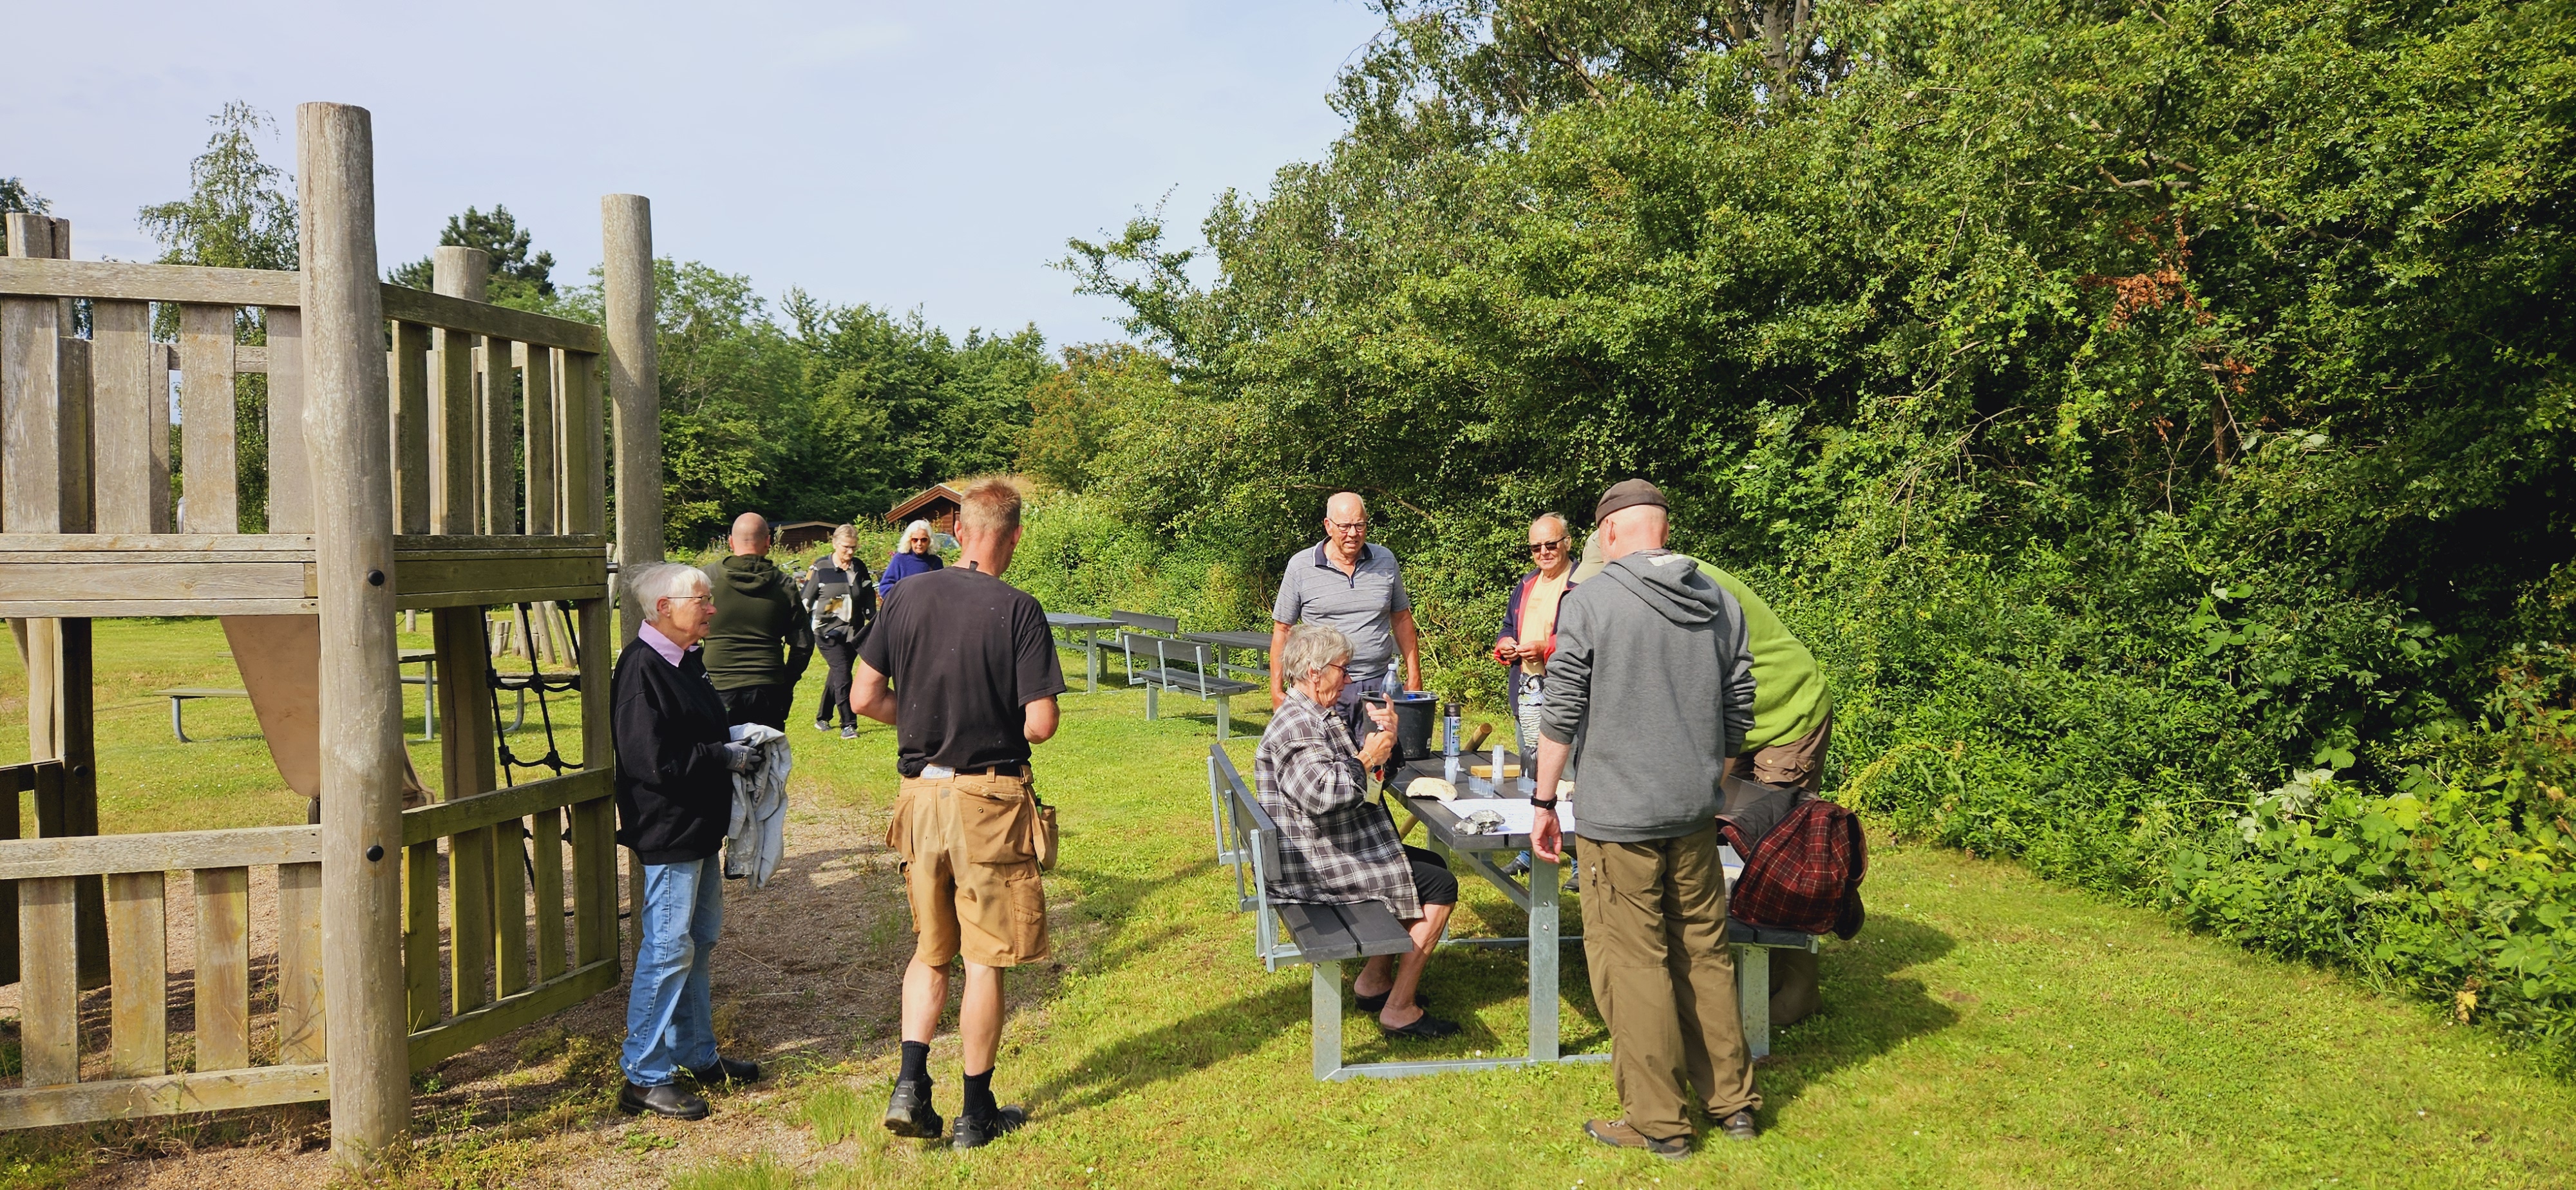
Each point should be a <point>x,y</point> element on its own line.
<point>2138,406</point>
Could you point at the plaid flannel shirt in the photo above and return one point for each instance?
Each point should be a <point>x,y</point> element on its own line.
<point>1337,845</point>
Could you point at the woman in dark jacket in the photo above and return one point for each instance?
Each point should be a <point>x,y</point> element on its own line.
<point>675,764</point>
<point>838,596</point>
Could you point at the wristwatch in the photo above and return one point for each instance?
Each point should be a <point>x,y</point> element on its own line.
<point>1548,804</point>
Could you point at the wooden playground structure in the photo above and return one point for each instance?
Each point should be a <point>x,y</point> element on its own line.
<point>458,471</point>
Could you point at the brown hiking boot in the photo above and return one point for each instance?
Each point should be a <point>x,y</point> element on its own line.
<point>1618,1135</point>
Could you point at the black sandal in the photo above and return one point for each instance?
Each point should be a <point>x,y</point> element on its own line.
<point>1377,1003</point>
<point>1424,1028</point>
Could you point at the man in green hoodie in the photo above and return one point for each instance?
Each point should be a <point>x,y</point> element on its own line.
<point>1793,719</point>
<point>757,616</point>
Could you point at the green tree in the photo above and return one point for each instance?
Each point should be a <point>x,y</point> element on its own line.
<point>238,214</point>
<point>1075,412</point>
<point>14,196</point>
<point>519,278</point>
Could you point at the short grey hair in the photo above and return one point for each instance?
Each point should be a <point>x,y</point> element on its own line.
<point>1312,649</point>
<point>654,582</point>
<point>1562,528</point>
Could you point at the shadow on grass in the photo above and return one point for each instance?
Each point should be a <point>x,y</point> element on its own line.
<point>1870,1007</point>
<point>1105,916</point>
<point>1179,1048</point>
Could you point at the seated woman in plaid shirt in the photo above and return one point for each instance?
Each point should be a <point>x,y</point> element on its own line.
<point>1337,845</point>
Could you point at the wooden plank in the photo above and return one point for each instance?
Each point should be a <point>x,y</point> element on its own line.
<point>585,454</point>
<point>594,891</point>
<point>172,851</point>
<point>138,948</point>
<point>547,904</point>
<point>160,360</point>
<point>169,1094</point>
<point>1319,932</point>
<point>248,358</point>
<point>130,495</point>
<point>300,1034</point>
<point>537,399</point>
<point>467,1030</point>
<point>469,544</point>
<point>49,983</point>
<point>420,935</point>
<point>208,452</point>
<point>113,608</point>
<point>423,824</point>
<point>510,906</point>
<point>451,433</point>
<point>149,282</point>
<point>469,899</point>
<point>497,431</point>
<point>410,371</point>
<point>223,968</point>
<point>14,780</point>
<point>43,547</point>
<point>290,476</point>
<point>66,582</point>
<point>432,576</point>
<point>77,697</point>
<point>30,416</point>
<point>78,509</point>
<point>518,326</point>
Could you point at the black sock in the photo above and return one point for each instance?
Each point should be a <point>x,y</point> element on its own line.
<point>916,1064</point>
<point>979,1097</point>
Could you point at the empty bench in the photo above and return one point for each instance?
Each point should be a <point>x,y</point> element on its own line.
<point>1160,663</point>
<point>179,696</point>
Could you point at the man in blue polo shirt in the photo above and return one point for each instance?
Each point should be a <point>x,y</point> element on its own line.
<point>1344,582</point>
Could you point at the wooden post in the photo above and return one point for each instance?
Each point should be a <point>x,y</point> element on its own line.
<point>361,703</point>
<point>456,272</point>
<point>634,384</point>
<point>290,478</point>
<point>497,429</point>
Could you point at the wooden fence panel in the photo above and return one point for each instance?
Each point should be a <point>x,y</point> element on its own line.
<point>300,1029</point>
<point>207,447</point>
<point>223,968</point>
<point>510,865</point>
<point>49,987</point>
<point>420,934</point>
<point>408,375</point>
<point>497,432</point>
<point>537,372</point>
<point>290,477</point>
<point>548,847</point>
<point>132,479</point>
<point>138,951</point>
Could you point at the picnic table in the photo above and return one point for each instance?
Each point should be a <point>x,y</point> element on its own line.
<point>427,659</point>
<point>1257,642</point>
<point>1090,627</point>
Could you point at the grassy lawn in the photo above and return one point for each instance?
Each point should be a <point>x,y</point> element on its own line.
<point>1986,1029</point>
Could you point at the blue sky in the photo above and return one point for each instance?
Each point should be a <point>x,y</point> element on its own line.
<point>930,156</point>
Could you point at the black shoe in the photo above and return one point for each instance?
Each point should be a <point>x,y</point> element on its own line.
<point>1424,1028</point>
<point>975,1133</point>
<point>908,1113</point>
<point>1740,1126</point>
<point>665,1100</point>
<point>1377,1003</point>
<point>726,1070</point>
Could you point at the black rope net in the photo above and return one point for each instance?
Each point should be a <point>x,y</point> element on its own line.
<point>542,684</point>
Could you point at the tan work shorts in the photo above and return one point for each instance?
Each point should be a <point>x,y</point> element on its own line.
<point>971,869</point>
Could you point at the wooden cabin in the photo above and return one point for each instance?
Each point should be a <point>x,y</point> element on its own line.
<point>799,535</point>
<point>395,485</point>
<point>936,504</point>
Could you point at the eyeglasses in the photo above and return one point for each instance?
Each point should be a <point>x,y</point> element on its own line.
<point>1359,526</point>
<point>1538,547</point>
<point>708,600</point>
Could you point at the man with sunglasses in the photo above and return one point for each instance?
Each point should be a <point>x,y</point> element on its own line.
<point>1529,624</point>
<point>1347,584</point>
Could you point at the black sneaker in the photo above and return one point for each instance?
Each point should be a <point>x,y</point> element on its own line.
<point>908,1112</point>
<point>667,1101</point>
<point>975,1132</point>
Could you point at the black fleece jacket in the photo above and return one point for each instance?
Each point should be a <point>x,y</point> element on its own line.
<point>674,797</point>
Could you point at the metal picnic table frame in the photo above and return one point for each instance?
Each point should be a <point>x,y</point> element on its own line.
<point>1090,627</point>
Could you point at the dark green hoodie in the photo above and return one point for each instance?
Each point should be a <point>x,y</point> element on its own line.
<point>756,613</point>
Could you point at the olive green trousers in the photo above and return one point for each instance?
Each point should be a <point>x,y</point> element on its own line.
<point>1654,935</point>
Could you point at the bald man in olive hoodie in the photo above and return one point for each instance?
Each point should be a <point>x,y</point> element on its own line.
<point>757,615</point>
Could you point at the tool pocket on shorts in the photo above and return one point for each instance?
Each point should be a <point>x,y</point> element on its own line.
<point>993,827</point>
<point>1027,894</point>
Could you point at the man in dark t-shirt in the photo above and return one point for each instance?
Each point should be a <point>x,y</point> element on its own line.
<point>963,665</point>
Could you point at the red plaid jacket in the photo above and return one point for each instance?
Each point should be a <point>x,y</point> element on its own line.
<point>1805,874</point>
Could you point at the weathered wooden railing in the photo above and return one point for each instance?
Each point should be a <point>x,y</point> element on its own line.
<point>137,1079</point>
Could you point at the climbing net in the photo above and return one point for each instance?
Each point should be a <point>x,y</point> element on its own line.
<point>540,682</point>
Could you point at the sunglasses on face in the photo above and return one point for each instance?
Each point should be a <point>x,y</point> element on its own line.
<point>1547,547</point>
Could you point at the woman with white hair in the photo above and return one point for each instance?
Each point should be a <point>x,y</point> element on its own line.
<point>675,766</point>
<point>914,556</point>
<point>1337,846</point>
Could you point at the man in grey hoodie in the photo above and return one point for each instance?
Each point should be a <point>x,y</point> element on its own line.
<point>1650,690</point>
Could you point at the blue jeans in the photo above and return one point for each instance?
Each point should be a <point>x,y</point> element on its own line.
<point>670,1016</point>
